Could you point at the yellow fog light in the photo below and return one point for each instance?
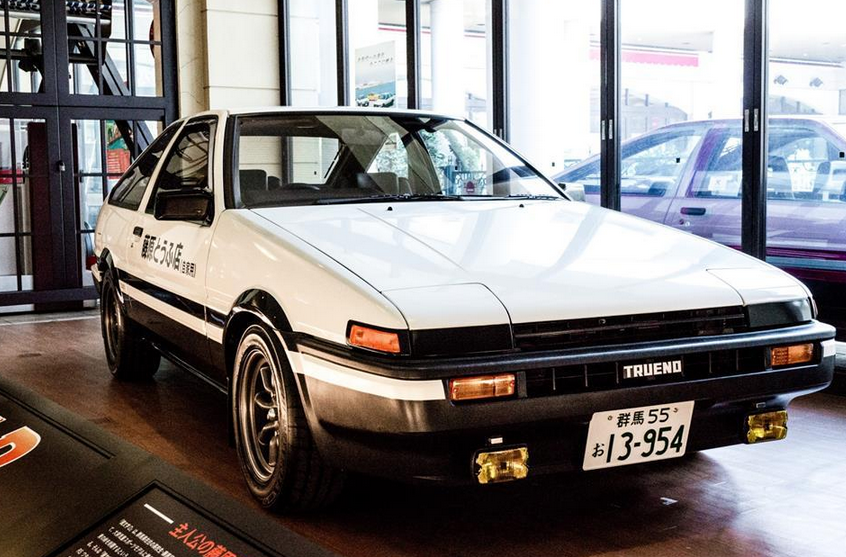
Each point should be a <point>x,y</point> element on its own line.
<point>789,355</point>
<point>502,466</point>
<point>769,426</point>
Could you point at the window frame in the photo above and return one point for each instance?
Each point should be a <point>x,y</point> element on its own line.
<point>207,118</point>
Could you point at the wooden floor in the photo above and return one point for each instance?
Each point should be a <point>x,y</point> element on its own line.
<point>786,498</point>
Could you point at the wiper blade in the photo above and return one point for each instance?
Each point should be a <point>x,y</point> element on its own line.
<point>389,197</point>
<point>530,196</point>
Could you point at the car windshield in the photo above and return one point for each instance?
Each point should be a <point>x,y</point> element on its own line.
<point>305,159</point>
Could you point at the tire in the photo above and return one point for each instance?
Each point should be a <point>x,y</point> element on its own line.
<point>130,357</point>
<point>276,452</point>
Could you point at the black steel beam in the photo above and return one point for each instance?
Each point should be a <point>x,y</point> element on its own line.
<point>412,51</point>
<point>342,44</point>
<point>499,40</point>
<point>754,195</point>
<point>610,105</point>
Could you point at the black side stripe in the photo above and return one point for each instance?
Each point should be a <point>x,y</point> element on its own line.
<point>176,301</point>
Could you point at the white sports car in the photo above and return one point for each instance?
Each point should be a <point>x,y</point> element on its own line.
<point>399,293</point>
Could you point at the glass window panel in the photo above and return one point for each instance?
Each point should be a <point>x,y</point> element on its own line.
<point>146,26</point>
<point>116,60</point>
<point>24,18</point>
<point>82,54</point>
<point>118,154</point>
<point>86,251</point>
<point>114,21</point>
<point>377,63</point>
<point>556,125</point>
<point>313,63</point>
<point>455,54</point>
<point>806,159</point>
<point>147,70</point>
<point>88,146</point>
<point>8,265</point>
<point>90,200</point>
<point>682,90</point>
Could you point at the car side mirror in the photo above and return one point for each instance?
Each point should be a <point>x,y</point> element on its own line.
<point>574,191</point>
<point>191,205</point>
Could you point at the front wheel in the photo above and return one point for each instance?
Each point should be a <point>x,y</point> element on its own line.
<point>276,452</point>
<point>128,354</point>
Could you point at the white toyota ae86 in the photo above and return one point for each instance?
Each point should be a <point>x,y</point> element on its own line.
<point>400,294</point>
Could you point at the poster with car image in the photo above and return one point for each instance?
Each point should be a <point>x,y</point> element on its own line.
<point>376,75</point>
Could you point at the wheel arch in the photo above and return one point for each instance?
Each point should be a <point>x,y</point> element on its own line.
<point>252,306</point>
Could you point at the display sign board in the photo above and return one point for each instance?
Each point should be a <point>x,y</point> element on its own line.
<point>69,489</point>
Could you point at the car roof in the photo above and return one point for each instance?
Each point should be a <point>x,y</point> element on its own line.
<point>365,111</point>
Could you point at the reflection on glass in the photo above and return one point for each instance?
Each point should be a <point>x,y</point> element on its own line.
<point>806,160</point>
<point>682,89</point>
<point>456,67</point>
<point>147,70</point>
<point>378,77</point>
<point>313,75</point>
<point>546,34</point>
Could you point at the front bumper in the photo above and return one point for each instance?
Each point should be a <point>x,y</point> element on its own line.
<point>366,418</point>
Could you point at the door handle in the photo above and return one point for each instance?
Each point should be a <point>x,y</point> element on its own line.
<point>137,231</point>
<point>698,211</point>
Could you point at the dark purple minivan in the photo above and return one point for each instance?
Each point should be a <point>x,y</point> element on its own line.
<point>688,176</point>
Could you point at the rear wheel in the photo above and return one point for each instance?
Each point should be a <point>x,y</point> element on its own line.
<point>276,451</point>
<point>128,354</point>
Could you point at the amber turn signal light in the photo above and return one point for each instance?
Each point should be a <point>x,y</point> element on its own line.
<point>374,339</point>
<point>790,355</point>
<point>482,386</point>
<point>769,426</point>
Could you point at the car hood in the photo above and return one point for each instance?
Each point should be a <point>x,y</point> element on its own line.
<point>541,260</point>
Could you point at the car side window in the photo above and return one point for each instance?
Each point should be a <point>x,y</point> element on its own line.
<point>129,191</point>
<point>720,173</point>
<point>656,165</point>
<point>651,165</point>
<point>187,164</point>
<point>804,165</point>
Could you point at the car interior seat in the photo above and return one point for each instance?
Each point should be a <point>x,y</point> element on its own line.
<point>253,184</point>
<point>779,178</point>
<point>380,182</point>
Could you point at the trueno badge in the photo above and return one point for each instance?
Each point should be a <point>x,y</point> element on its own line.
<point>668,367</point>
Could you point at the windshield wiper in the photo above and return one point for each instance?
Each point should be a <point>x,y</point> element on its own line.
<point>531,196</point>
<point>389,197</point>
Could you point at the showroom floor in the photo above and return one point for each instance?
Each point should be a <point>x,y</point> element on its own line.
<point>785,499</point>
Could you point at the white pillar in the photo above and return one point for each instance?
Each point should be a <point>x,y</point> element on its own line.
<point>550,82</point>
<point>447,24</point>
<point>727,64</point>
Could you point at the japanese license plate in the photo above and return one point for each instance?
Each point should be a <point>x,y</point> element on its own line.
<point>633,435</point>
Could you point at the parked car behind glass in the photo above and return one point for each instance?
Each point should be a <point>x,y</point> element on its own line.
<point>688,176</point>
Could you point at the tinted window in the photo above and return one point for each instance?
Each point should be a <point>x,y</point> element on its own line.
<point>128,192</point>
<point>187,163</point>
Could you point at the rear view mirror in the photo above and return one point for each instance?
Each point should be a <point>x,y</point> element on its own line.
<point>574,191</point>
<point>191,205</point>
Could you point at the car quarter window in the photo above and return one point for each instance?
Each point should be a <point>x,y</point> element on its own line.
<point>187,164</point>
<point>129,191</point>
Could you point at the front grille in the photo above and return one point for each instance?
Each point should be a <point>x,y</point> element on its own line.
<point>646,327</point>
<point>602,376</point>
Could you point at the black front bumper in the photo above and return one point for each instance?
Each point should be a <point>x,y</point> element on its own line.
<point>437,440</point>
